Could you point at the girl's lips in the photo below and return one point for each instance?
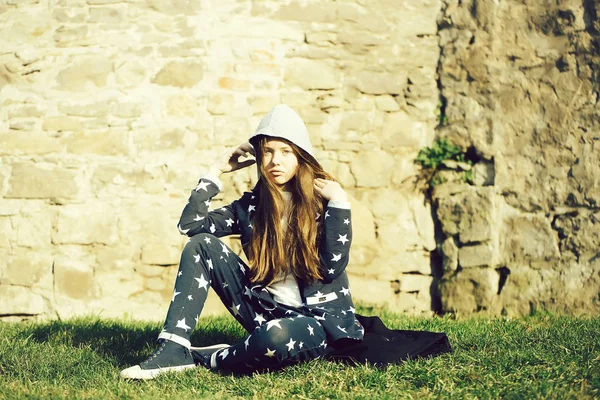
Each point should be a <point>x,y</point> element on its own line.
<point>276,173</point>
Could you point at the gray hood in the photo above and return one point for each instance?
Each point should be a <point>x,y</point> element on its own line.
<point>283,122</point>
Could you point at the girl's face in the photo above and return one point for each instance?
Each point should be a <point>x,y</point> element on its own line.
<point>279,161</point>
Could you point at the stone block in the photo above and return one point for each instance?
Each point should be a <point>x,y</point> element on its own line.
<point>363,225</point>
<point>355,121</point>
<point>231,131</point>
<point>528,237</point>
<point>127,109</point>
<point>19,300</point>
<point>19,143</point>
<point>386,103</point>
<point>86,224</point>
<point>400,130</point>
<point>235,84</point>
<point>266,28</point>
<point>175,7</point>
<point>39,181</point>
<point>579,234</point>
<point>298,11</point>
<point>470,213</point>
<point>471,290</point>
<point>61,124</point>
<point>477,255</point>
<point>116,257</point>
<point>130,74</point>
<point>372,291</point>
<point>180,74</point>
<point>6,231</point>
<point>28,267</point>
<point>181,106</point>
<point>450,255</point>
<point>110,143</point>
<point>33,230</point>
<point>221,103</point>
<point>88,73</point>
<point>105,15</point>
<point>415,283</point>
<point>373,82</point>
<point>311,74</point>
<point>161,254</point>
<point>69,14</point>
<point>372,168</point>
<point>263,104</point>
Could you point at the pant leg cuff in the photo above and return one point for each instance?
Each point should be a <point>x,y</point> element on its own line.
<point>174,338</point>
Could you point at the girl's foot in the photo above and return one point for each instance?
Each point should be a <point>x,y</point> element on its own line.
<point>203,355</point>
<point>169,357</point>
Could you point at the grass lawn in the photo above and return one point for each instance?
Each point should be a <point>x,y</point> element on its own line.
<point>543,356</point>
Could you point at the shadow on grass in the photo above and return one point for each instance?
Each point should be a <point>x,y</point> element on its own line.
<point>123,343</point>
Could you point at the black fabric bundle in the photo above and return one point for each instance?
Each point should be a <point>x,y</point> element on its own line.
<point>382,346</point>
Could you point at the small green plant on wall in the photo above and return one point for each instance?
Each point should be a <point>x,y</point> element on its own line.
<point>439,156</point>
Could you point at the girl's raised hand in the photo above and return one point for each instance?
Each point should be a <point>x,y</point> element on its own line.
<point>330,190</point>
<point>230,161</point>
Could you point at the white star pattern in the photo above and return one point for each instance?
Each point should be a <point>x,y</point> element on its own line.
<point>224,353</point>
<point>311,330</point>
<point>331,271</point>
<point>318,215</point>
<point>247,292</point>
<point>251,208</point>
<point>343,238</point>
<point>247,342</point>
<point>290,344</point>
<point>209,262</point>
<point>342,329</point>
<point>181,324</point>
<point>352,310</point>
<point>347,222</point>
<point>225,250</point>
<point>229,222</point>
<point>202,283</point>
<point>242,268</point>
<point>223,209</point>
<point>190,298</point>
<point>323,344</point>
<point>319,318</point>
<point>174,295</point>
<point>197,258</point>
<point>272,323</point>
<point>327,214</point>
<point>198,218</point>
<point>270,353</point>
<point>235,309</point>
<point>336,257</point>
<point>345,291</point>
<point>182,231</point>
<point>179,273</point>
<point>207,240</point>
<point>300,345</point>
<point>207,202</point>
<point>212,228</point>
<point>319,294</point>
<point>196,318</point>
<point>259,318</point>
<point>202,185</point>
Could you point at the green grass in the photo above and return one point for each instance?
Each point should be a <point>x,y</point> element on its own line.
<point>537,357</point>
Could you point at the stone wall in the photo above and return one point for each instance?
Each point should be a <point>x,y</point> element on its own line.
<point>112,109</point>
<point>521,87</point>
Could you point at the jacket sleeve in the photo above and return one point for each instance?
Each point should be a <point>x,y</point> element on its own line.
<point>196,218</point>
<point>334,251</point>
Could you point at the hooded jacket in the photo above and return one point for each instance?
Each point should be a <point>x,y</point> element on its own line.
<point>328,300</point>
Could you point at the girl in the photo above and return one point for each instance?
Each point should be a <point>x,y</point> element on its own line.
<point>293,296</point>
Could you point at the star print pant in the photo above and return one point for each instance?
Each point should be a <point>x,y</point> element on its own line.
<point>279,335</point>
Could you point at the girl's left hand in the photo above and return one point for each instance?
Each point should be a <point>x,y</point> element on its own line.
<point>330,190</point>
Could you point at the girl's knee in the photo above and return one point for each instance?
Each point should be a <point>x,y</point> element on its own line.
<point>201,240</point>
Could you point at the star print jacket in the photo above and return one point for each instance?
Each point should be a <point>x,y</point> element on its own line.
<point>327,300</point>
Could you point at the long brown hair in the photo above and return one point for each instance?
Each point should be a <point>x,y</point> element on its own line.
<point>274,249</point>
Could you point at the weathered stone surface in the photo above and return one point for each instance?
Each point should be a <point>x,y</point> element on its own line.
<point>311,74</point>
<point>38,181</point>
<point>61,124</point>
<point>372,168</point>
<point>27,268</point>
<point>19,300</point>
<point>471,290</point>
<point>86,224</point>
<point>450,255</point>
<point>477,255</point>
<point>113,142</point>
<point>87,74</point>
<point>221,103</point>
<point>106,15</point>
<point>372,82</point>
<point>579,234</point>
<point>160,254</point>
<point>179,74</point>
<point>19,143</point>
<point>33,230</point>
<point>470,214</point>
<point>402,131</point>
<point>529,237</point>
